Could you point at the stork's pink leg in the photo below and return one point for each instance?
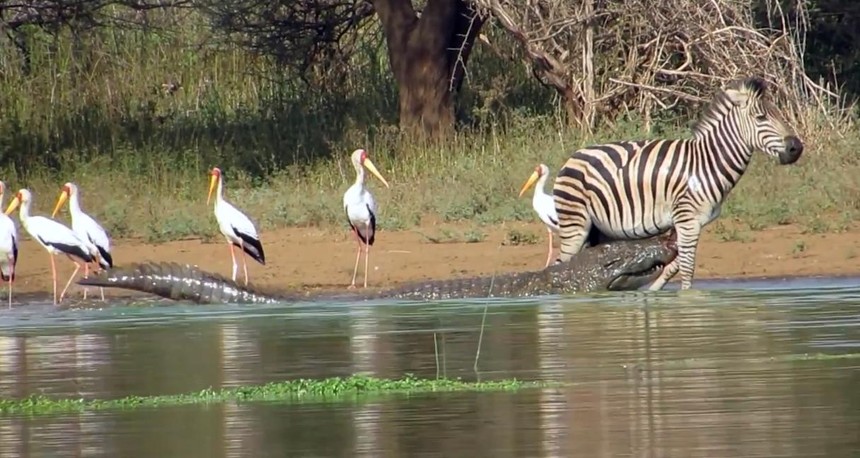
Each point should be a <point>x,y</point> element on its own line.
<point>366,258</point>
<point>86,275</point>
<point>11,278</point>
<point>549,249</point>
<point>245,267</point>
<point>357,258</point>
<point>77,268</point>
<point>233,258</point>
<point>54,276</point>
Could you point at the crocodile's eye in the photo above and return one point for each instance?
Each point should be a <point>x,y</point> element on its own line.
<point>611,263</point>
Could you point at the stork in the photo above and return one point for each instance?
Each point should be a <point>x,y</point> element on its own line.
<point>235,226</point>
<point>54,237</point>
<point>543,203</point>
<point>360,208</point>
<point>87,229</point>
<point>8,245</point>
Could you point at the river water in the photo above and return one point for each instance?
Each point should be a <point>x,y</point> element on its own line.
<point>761,368</point>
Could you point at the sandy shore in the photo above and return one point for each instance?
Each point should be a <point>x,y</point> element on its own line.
<point>316,258</point>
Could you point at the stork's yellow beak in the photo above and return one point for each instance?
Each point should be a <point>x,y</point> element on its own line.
<point>213,180</point>
<point>369,165</point>
<point>529,182</point>
<point>13,205</point>
<point>60,201</point>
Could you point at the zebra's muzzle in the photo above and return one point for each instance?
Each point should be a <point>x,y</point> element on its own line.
<point>793,150</point>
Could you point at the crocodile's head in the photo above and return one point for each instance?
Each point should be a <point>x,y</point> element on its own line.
<point>631,264</point>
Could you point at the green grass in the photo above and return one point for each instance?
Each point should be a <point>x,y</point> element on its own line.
<point>100,117</point>
<point>475,180</point>
<point>302,390</point>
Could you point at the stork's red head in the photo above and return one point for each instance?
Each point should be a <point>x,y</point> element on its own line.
<point>69,189</point>
<point>539,171</point>
<point>359,159</point>
<point>21,198</point>
<point>215,178</point>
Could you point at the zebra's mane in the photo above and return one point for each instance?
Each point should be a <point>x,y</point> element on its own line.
<point>717,109</point>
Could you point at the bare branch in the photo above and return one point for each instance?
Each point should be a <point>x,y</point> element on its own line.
<point>648,55</point>
<point>462,51</point>
<point>56,13</point>
<point>297,34</point>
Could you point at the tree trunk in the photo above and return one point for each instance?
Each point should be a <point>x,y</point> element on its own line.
<point>428,57</point>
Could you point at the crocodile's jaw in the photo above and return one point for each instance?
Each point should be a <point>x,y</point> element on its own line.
<point>635,280</point>
<point>645,266</point>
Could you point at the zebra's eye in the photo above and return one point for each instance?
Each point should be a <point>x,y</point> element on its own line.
<point>761,117</point>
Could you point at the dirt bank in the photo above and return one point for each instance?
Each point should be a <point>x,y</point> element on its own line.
<point>317,258</point>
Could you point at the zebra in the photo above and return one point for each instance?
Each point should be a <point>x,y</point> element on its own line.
<point>639,189</point>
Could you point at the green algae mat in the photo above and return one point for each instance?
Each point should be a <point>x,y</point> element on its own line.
<point>329,389</point>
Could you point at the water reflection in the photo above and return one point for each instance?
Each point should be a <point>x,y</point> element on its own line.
<point>364,346</point>
<point>67,365</point>
<point>714,376</point>
<point>552,403</point>
<point>237,366</point>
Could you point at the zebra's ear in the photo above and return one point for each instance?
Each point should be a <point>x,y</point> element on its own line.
<point>738,96</point>
<point>741,91</point>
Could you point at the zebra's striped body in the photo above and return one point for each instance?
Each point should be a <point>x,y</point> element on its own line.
<point>638,189</point>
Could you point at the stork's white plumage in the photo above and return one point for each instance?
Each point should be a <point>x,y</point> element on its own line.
<point>87,229</point>
<point>543,203</point>
<point>235,226</point>
<point>8,245</point>
<point>54,237</point>
<point>360,210</point>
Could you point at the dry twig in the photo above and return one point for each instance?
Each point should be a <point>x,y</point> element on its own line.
<point>607,56</point>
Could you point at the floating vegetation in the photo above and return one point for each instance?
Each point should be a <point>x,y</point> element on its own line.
<point>336,388</point>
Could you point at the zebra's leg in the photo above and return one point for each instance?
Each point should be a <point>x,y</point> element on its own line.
<point>669,271</point>
<point>573,232</point>
<point>687,240</point>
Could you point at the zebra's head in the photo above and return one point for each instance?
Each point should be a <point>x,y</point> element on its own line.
<point>761,125</point>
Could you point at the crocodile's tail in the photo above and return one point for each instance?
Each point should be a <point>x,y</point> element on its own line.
<point>180,282</point>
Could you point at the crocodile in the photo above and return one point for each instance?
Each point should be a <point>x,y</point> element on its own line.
<point>614,266</point>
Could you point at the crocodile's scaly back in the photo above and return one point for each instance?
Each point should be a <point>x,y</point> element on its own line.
<point>180,282</point>
<point>520,284</point>
<point>611,265</point>
<point>615,265</point>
